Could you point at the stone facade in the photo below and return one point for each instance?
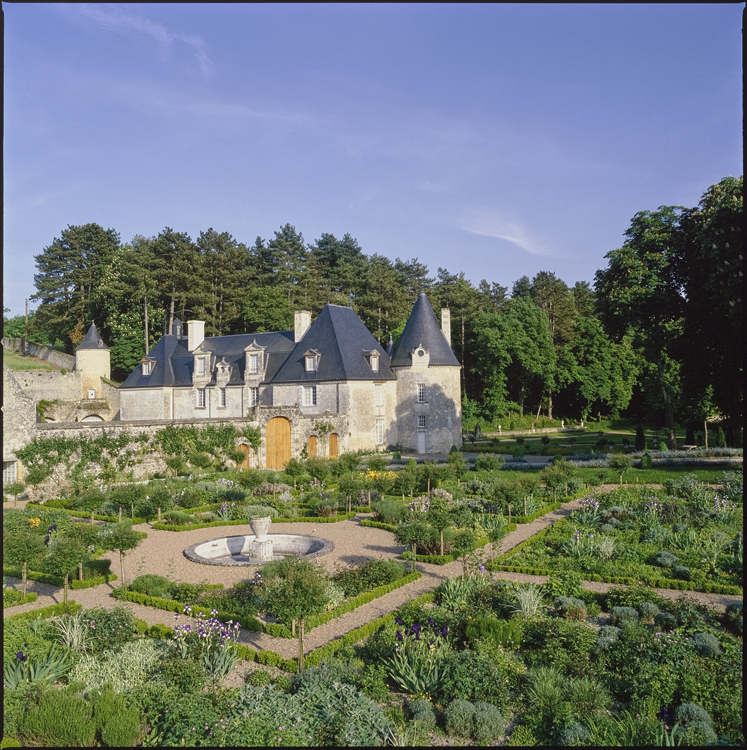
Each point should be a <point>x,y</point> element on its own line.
<point>19,425</point>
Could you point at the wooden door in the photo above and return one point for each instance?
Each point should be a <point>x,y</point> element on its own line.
<point>244,463</point>
<point>312,446</point>
<point>277,443</point>
<point>333,449</point>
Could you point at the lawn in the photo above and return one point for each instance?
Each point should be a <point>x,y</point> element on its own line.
<point>16,361</point>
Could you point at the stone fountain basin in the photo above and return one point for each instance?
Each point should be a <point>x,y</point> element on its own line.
<point>235,550</point>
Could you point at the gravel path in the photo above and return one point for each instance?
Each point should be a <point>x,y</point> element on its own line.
<point>161,553</point>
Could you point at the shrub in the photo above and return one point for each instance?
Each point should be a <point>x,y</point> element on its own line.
<point>666,559</point>
<point>109,628</point>
<point>369,575</point>
<point>681,572</point>
<point>522,736</point>
<point>688,713</point>
<point>158,630</point>
<point>576,734</point>
<point>471,675</point>
<point>506,633</point>
<point>62,718</point>
<point>621,615</point>
<point>259,678</point>
<point>268,658</point>
<point>570,607</point>
<point>706,644</point>
<point>422,711</point>
<point>125,669</point>
<point>388,510</point>
<point>646,461</point>
<point>151,585</point>
<point>185,676</point>
<point>647,611</point>
<point>489,723</point>
<point>258,511</point>
<point>117,722</point>
<point>587,696</point>
<point>665,621</point>
<point>460,717</point>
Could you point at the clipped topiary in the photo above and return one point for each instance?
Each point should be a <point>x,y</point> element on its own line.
<point>422,711</point>
<point>647,611</point>
<point>489,723</point>
<point>687,713</point>
<point>460,716</point>
<point>576,734</point>
<point>665,621</point>
<point>259,678</point>
<point>706,644</point>
<point>621,615</point>
<point>681,572</point>
<point>667,559</point>
<point>151,585</point>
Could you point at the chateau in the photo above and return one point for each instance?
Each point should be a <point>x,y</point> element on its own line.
<point>327,386</point>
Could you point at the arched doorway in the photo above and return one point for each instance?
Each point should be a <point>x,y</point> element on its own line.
<point>333,448</point>
<point>277,443</point>
<point>244,450</point>
<point>312,446</point>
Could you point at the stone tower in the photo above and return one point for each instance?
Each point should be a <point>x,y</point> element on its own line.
<point>93,361</point>
<point>429,405</point>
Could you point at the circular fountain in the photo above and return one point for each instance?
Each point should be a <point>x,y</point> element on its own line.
<point>257,548</point>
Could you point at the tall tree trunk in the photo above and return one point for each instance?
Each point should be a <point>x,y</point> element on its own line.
<point>147,346</point>
<point>300,644</point>
<point>121,566</point>
<point>549,405</point>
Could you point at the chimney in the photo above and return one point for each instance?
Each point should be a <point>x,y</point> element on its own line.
<point>446,323</point>
<point>195,334</point>
<point>302,320</point>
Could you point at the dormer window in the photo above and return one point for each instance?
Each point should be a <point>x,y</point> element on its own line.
<point>255,359</point>
<point>253,364</point>
<point>201,367</point>
<point>311,360</point>
<point>147,366</point>
<point>375,362</point>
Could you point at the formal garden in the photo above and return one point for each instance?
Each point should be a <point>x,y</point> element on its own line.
<point>476,660</point>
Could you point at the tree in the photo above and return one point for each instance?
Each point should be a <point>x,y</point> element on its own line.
<point>175,261</point>
<point>297,592</point>
<point>708,265</point>
<point>414,533</point>
<point>465,543</point>
<point>26,547</point>
<point>639,291</point>
<point>69,271</point>
<point>64,558</point>
<point>620,463</point>
<point>439,518</point>
<point>121,537</point>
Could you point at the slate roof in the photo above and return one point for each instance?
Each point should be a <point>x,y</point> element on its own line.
<point>92,340</point>
<point>343,341</point>
<point>338,334</point>
<point>174,363</point>
<point>422,327</point>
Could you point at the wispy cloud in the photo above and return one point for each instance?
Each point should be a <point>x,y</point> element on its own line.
<point>120,21</point>
<point>493,225</point>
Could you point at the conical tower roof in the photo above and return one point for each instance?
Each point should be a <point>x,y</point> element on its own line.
<point>92,340</point>
<point>422,328</point>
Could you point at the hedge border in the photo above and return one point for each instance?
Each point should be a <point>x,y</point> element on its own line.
<point>350,605</point>
<point>39,577</point>
<point>32,596</point>
<point>242,522</point>
<point>171,605</point>
<point>46,612</point>
<point>83,517</point>
<point>357,634</point>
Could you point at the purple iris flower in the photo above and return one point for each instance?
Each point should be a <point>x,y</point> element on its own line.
<point>21,656</point>
<point>399,635</point>
<point>444,631</point>
<point>398,620</point>
<point>431,622</point>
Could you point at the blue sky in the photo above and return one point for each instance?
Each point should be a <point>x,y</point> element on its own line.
<point>497,140</point>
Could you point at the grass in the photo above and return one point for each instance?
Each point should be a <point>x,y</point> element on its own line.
<point>16,361</point>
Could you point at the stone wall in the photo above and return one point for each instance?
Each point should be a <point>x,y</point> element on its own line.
<point>19,417</point>
<point>41,352</point>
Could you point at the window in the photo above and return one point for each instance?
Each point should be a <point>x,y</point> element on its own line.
<point>253,396</point>
<point>147,366</point>
<point>375,362</point>
<point>200,398</point>
<point>309,395</point>
<point>378,394</point>
<point>9,472</point>
<point>310,363</point>
<point>421,393</point>
<point>254,363</point>
<point>201,366</point>
<point>421,422</point>
<point>379,431</point>
<point>222,398</point>
<point>91,393</point>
